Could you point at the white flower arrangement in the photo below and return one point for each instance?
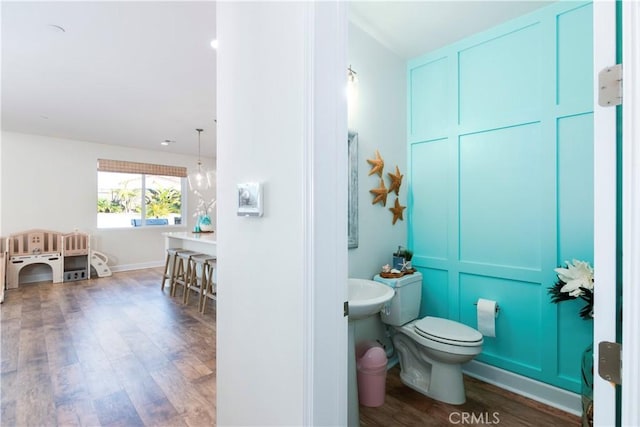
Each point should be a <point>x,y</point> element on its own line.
<point>575,281</point>
<point>204,208</point>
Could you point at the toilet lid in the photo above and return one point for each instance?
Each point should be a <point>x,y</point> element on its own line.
<point>447,331</point>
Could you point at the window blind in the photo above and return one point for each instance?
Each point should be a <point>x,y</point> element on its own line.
<point>122,166</point>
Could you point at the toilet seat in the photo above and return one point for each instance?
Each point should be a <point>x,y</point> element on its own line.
<point>447,331</point>
<point>439,344</point>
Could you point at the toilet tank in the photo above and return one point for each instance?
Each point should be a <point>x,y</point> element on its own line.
<point>405,305</point>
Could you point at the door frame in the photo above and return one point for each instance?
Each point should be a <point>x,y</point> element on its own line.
<point>605,185</point>
<point>605,193</point>
<point>630,214</point>
<point>325,328</point>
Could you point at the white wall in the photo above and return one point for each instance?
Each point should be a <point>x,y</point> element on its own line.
<point>378,113</point>
<point>51,183</point>
<point>260,258</point>
<point>281,333</point>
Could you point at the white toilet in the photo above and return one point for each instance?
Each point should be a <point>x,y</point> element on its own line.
<point>430,349</point>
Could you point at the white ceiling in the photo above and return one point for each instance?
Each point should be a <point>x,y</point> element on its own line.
<point>139,73</point>
<point>123,73</point>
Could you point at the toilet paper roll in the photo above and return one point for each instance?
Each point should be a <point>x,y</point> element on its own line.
<point>487,317</point>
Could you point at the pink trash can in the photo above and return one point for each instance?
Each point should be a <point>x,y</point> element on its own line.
<point>372,373</point>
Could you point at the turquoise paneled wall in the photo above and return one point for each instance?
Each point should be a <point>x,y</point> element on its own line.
<point>500,132</point>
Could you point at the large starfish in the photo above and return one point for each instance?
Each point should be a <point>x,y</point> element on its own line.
<point>396,181</point>
<point>377,164</point>
<point>381,194</point>
<point>397,211</point>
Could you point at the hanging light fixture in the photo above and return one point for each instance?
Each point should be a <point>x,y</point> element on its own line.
<point>352,90</point>
<point>352,75</point>
<point>200,179</point>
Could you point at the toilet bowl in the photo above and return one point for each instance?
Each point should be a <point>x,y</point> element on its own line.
<point>431,350</point>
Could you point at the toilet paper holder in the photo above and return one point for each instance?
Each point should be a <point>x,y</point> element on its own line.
<point>497,307</point>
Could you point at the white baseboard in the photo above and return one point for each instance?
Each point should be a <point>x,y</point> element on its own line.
<point>139,266</point>
<point>532,389</point>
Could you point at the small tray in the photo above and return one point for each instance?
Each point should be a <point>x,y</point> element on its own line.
<point>397,275</point>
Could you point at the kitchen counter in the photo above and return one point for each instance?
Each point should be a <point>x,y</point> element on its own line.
<point>201,242</point>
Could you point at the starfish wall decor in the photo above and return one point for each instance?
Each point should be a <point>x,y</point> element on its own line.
<point>377,164</point>
<point>380,194</point>
<point>396,181</point>
<point>397,211</point>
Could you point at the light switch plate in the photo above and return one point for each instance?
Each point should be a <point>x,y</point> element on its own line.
<point>250,199</point>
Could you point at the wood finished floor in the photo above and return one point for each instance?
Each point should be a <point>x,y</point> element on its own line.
<point>486,405</point>
<point>113,351</point>
<point>119,352</point>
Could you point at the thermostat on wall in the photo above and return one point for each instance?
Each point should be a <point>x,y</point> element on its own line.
<point>250,199</point>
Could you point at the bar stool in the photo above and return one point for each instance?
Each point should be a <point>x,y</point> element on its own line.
<point>182,271</point>
<point>169,272</point>
<point>197,283</point>
<point>211,288</point>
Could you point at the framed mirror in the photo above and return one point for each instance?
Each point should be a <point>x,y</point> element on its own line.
<point>353,189</point>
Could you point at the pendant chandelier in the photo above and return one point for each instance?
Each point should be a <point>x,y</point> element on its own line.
<point>200,179</point>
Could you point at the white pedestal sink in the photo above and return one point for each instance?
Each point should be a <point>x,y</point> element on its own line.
<point>366,298</point>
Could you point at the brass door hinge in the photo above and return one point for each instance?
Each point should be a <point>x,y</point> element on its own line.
<point>610,361</point>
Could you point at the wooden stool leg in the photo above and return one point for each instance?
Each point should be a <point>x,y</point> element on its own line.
<point>206,277</point>
<point>178,272</point>
<point>190,276</point>
<point>190,270</point>
<point>208,287</point>
<point>165,275</point>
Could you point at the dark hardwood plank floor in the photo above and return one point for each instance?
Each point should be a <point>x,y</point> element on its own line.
<point>117,351</point>
<point>486,405</point>
<point>113,351</point>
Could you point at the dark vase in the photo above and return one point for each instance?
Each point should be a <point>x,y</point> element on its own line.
<point>398,261</point>
<point>587,386</point>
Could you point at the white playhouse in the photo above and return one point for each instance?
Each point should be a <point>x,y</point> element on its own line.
<point>68,255</point>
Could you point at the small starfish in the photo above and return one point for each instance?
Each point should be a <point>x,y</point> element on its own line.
<point>396,181</point>
<point>377,164</point>
<point>397,211</point>
<point>381,194</point>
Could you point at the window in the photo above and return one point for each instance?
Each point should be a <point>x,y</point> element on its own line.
<point>139,194</point>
